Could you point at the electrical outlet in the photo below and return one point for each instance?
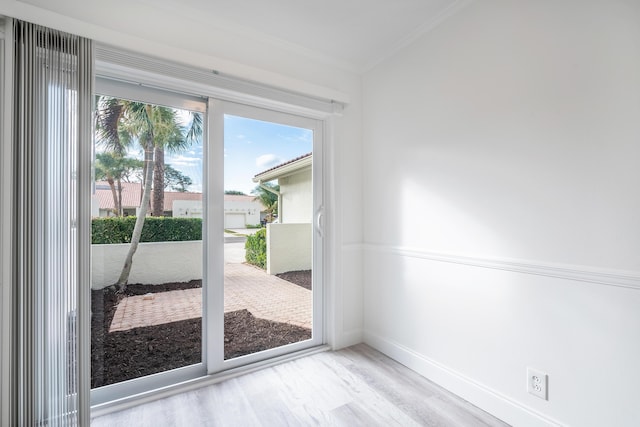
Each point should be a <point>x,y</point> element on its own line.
<point>537,383</point>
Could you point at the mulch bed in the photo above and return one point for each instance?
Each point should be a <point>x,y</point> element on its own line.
<point>300,278</point>
<point>123,355</point>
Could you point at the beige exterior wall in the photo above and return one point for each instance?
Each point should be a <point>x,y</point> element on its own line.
<point>289,247</point>
<point>297,197</point>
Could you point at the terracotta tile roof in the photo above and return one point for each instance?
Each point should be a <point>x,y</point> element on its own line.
<point>284,164</point>
<point>171,196</point>
<point>132,193</point>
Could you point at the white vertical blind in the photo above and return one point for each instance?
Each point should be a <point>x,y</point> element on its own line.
<point>53,92</point>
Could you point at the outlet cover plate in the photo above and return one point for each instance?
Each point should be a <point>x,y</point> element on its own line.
<point>538,383</point>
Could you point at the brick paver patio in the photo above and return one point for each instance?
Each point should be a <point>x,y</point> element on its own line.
<point>265,296</point>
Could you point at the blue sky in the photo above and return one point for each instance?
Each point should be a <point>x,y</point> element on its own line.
<point>250,147</point>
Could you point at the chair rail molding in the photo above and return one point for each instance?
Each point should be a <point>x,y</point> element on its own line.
<point>599,276</point>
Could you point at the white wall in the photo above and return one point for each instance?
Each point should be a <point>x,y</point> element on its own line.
<point>127,24</point>
<point>501,163</point>
<point>297,197</point>
<point>154,263</point>
<point>289,248</point>
<point>187,209</point>
<point>250,209</point>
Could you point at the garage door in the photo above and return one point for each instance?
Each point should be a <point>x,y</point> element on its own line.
<point>234,220</point>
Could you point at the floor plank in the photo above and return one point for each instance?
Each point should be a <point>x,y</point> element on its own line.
<point>357,386</point>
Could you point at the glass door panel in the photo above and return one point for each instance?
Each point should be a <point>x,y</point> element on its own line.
<point>268,208</point>
<point>272,291</point>
<point>147,246</point>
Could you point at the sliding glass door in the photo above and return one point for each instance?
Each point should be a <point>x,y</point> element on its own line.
<point>268,273</point>
<point>206,238</point>
<point>147,247</point>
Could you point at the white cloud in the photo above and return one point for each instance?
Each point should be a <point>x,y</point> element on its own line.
<point>267,161</point>
<point>184,160</point>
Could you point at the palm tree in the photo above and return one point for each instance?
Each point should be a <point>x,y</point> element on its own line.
<point>113,168</point>
<point>193,134</point>
<point>119,123</point>
<point>269,199</point>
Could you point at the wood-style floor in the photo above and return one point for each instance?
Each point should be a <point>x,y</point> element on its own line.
<point>357,386</point>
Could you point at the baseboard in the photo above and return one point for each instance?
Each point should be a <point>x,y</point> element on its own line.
<point>487,399</point>
<point>349,338</point>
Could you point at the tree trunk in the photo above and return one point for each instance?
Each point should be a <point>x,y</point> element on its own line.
<point>119,201</point>
<point>158,182</point>
<point>144,179</point>
<point>121,284</point>
<point>113,194</point>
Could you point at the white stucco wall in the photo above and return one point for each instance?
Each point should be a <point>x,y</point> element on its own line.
<point>297,197</point>
<point>187,209</point>
<point>289,247</point>
<point>249,208</point>
<point>501,171</point>
<point>154,263</point>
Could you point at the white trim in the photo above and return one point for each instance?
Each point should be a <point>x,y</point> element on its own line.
<point>284,170</point>
<point>103,396</point>
<point>139,69</point>
<point>624,279</point>
<point>122,90</point>
<point>213,283</point>
<point>482,396</point>
<point>332,292</point>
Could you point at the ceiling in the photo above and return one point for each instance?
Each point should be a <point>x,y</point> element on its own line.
<point>354,34</point>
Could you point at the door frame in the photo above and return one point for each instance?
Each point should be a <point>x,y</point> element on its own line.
<point>215,216</point>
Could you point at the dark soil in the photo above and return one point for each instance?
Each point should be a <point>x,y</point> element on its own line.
<point>300,278</point>
<point>123,355</point>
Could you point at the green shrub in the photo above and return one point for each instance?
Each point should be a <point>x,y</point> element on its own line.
<point>256,248</point>
<point>107,231</point>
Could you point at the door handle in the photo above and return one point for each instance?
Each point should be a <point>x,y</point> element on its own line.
<point>319,216</point>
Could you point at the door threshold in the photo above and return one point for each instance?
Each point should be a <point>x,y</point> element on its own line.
<point>181,387</point>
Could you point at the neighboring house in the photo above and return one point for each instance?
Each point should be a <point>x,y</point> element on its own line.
<point>295,198</point>
<point>239,211</point>
<point>103,204</point>
<point>289,241</point>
